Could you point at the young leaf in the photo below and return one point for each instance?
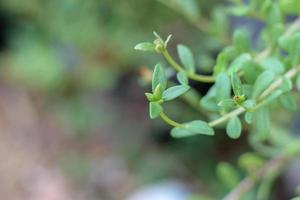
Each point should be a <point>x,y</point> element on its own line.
<point>298,82</point>
<point>192,128</point>
<point>154,109</point>
<point>249,104</point>
<point>239,62</point>
<point>249,117</point>
<point>228,175</point>
<point>236,84</point>
<point>286,85</point>
<point>149,96</point>
<point>250,162</point>
<point>234,128</point>
<point>262,82</point>
<point>182,78</point>
<point>262,123</point>
<point>241,41</point>
<point>174,92</point>
<point>199,127</point>
<point>181,132</point>
<point>159,77</point>
<point>273,64</point>
<point>227,103</point>
<point>186,57</point>
<point>288,101</point>
<point>223,88</point>
<point>145,46</point>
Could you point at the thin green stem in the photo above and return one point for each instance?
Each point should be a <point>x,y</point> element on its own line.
<point>170,121</point>
<point>177,67</point>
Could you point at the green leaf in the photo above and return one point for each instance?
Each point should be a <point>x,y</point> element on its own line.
<point>250,162</point>
<point>228,175</point>
<point>286,85</point>
<point>199,127</point>
<point>182,78</point>
<point>249,117</point>
<point>174,92</point>
<point>298,82</point>
<point>288,101</point>
<point>262,123</point>
<point>159,77</point>
<point>154,109</point>
<point>249,104</point>
<point>192,128</point>
<point>239,62</point>
<point>186,57</point>
<point>149,96</point>
<point>290,6</point>
<point>241,41</point>
<point>145,46</point>
<point>236,84</point>
<point>227,103</point>
<point>273,64</point>
<point>234,128</point>
<point>262,82</point>
<point>223,88</point>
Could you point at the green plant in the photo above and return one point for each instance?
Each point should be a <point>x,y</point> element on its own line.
<point>250,83</point>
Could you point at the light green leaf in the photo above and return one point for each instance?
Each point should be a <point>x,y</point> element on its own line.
<point>250,162</point>
<point>223,88</point>
<point>159,77</point>
<point>227,103</point>
<point>186,57</point>
<point>249,104</point>
<point>249,117</point>
<point>288,101</point>
<point>182,78</point>
<point>192,128</point>
<point>154,109</point>
<point>262,82</point>
<point>145,46</point>
<point>199,127</point>
<point>262,123</point>
<point>273,64</point>
<point>298,82</point>
<point>239,62</point>
<point>228,175</point>
<point>174,92</point>
<point>236,84</point>
<point>149,96</point>
<point>286,85</point>
<point>234,128</point>
<point>241,41</point>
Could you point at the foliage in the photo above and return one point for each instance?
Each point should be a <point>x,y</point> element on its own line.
<point>250,79</point>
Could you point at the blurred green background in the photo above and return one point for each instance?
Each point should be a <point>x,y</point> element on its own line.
<point>73,116</point>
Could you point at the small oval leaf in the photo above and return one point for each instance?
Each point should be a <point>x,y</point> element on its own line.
<point>262,82</point>
<point>145,46</point>
<point>182,78</point>
<point>159,77</point>
<point>154,109</point>
<point>186,57</point>
<point>174,92</point>
<point>234,128</point>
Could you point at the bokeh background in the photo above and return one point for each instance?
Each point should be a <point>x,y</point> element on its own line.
<point>73,116</point>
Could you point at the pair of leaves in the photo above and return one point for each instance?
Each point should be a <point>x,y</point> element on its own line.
<point>192,128</point>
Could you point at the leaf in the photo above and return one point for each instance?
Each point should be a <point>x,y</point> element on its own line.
<point>227,103</point>
<point>186,57</point>
<point>249,117</point>
<point>250,162</point>
<point>154,109</point>
<point>199,127</point>
<point>286,85</point>
<point>288,101</point>
<point>159,77</point>
<point>262,123</point>
<point>174,92</point>
<point>228,175</point>
<point>249,104</point>
<point>298,82</point>
<point>145,46</point>
<point>236,84</point>
<point>241,41</point>
<point>234,128</point>
<point>223,88</point>
<point>262,82</point>
<point>273,64</point>
<point>192,128</point>
<point>182,78</point>
<point>239,62</point>
<point>149,96</point>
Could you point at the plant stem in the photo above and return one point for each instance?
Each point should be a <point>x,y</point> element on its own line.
<point>170,121</point>
<point>177,67</point>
